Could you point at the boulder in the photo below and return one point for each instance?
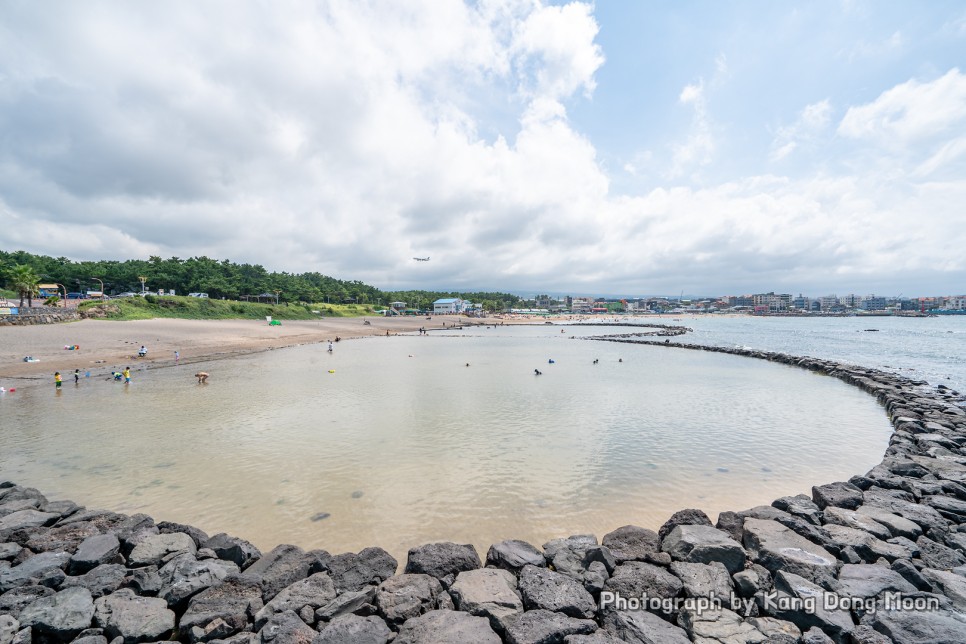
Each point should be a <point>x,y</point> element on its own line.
<point>135,619</point>
<point>952,586</point>
<point>514,554</point>
<point>777,548</point>
<point>8,628</point>
<point>402,597</point>
<point>146,581</point>
<point>704,580</point>
<point>487,592</point>
<point>803,603</point>
<point>871,581</point>
<point>442,626</point>
<point>286,628</point>
<point>349,602</point>
<point>545,589</point>
<point>776,629</point>
<point>683,517</point>
<point>580,558</point>
<point>10,550</point>
<point>354,572</point>
<point>443,560</point>
<point>936,555</point>
<point>94,551</point>
<point>839,494</point>
<point>800,506</point>
<point>631,543</point>
<point>315,591</point>
<point>153,549</point>
<point>918,627</point>
<point>642,627</point>
<point>60,616</point>
<point>45,567</point>
<point>62,538</point>
<point>897,525</point>
<point>542,627</point>
<point>283,566</point>
<point>354,629</point>
<point>704,544</point>
<point>718,625</point>
<point>14,601</point>
<point>752,580</point>
<point>229,601</point>
<point>185,576</point>
<point>233,549</point>
<point>864,544</point>
<point>858,521</point>
<point>103,580</point>
<point>635,579</point>
<point>198,536</point>
<point>26,519</point>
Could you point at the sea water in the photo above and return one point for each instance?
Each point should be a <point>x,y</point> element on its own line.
<point>398,441</point>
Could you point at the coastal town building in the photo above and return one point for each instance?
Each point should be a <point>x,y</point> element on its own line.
<point>449,305</point>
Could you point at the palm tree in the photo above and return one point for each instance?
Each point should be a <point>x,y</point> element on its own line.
<point>24,281</point>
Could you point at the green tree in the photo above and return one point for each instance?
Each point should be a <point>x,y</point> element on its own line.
<point>25,282</point>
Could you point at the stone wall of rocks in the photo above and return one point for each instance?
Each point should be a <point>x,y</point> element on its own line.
<point>40,315</point>
<point>829,567</point>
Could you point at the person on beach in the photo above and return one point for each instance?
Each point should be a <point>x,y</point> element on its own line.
<point>177,356</point>
<point>58,381</point>
<point>142,351</point>
<point>202,377</point>
<point>127,375</point>
<point>330,346</point>
<point>76,376</point>
<point>117,375</point>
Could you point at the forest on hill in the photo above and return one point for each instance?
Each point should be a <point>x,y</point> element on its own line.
<point>219,279</point>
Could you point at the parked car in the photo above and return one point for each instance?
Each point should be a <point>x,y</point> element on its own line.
<point>197,295</point>
<point>76,296</point>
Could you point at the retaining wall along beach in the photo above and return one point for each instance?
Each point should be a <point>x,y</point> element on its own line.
<point>879,558</point>
<point>40,315</point>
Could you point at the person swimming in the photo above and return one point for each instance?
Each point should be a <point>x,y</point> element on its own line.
<point>537,372</point>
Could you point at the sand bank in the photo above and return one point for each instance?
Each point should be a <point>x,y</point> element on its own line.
<point>108,345</point>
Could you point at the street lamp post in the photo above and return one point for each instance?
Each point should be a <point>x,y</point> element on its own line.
<point>276,297</point>
<point>102,285</point>
<point>64,289</point>
<point>143,280</point>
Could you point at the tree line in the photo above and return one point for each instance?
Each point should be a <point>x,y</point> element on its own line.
<point>21,272</point>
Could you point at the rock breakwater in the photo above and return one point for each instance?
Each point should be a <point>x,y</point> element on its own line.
<point>876,559</point>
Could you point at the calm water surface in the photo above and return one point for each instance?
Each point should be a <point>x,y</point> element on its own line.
<point>396,442</point>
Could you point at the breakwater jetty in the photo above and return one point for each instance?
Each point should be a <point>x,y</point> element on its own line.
<point>876,559</point>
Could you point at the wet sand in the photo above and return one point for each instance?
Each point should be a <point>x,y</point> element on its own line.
<point>112,345</point>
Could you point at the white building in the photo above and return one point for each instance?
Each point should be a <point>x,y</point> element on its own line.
<point>449,305</point>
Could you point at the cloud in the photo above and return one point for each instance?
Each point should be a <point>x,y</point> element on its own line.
<point>811,122</point>
<point>347,137</point>
<point>697,148</point>
<point>910,112</point>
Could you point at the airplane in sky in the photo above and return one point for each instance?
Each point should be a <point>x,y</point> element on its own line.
<point>421,259</point>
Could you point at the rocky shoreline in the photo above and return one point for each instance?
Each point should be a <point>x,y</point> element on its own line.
<point>876,559</point>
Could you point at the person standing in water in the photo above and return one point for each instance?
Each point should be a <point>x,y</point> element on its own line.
<point>127,375</point>
<point>58,381</point>
<point>76,376</point>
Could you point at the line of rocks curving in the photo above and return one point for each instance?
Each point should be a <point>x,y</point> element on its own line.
<point>896,534</point>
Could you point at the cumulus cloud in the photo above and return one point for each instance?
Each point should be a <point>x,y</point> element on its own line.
<point>910,112</point>
<point>347,137</point>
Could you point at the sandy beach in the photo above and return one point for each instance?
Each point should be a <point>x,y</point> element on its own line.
<point>105,346</point>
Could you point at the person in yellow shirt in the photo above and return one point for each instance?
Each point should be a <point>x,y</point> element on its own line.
<point>127,374</point>
<point>58,381</point>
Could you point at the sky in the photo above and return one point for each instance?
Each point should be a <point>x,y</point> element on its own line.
<point>629,148</point>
